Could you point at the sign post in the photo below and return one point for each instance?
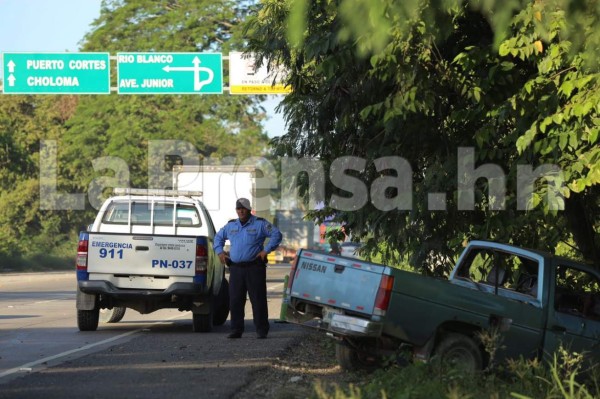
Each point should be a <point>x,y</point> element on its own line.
<point>169,73</point>
<point>56,73</point>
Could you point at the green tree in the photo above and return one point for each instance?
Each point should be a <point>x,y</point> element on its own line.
<point>218,126</point>
<point>24,121</point>
<point>421,80</point>
<point>118,129</point>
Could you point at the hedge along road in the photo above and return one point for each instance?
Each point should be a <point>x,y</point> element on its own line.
<point>42,353</point>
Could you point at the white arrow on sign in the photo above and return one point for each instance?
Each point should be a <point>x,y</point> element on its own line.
<point>11,80</point>
<point>11,66</point>
<point>197,69</point>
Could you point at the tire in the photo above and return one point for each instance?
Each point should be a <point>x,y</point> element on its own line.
<point>113,315</point>
<point>202,322</point>
<point>458,351</point>
<point>87,320</point>
<point>351,359</point>
<point>221,307</point>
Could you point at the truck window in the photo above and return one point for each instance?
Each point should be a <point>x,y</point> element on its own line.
<point>501,269</point>
<point>577,292</point>
<point>118,213</point>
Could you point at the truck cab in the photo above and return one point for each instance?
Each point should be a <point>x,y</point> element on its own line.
<point>540,301</point>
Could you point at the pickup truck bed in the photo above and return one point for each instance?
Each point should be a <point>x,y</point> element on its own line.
<point>336,281</point>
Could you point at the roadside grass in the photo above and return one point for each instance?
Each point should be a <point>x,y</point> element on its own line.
<point>562,377</point>
<point>42,258</point>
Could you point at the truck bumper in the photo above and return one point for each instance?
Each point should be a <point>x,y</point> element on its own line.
<point>336,323</point>
<point>105,287</point>
<point>354,327</point>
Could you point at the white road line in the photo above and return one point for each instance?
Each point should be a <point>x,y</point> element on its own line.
<point>30,365</point>
<point>50,300</point>
<point>273,287</point>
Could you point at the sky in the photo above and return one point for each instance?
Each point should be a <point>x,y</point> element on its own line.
<point>59,25</point>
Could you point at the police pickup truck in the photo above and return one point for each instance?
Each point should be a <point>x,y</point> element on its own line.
<point>149,250</point>
<point>532,301</point>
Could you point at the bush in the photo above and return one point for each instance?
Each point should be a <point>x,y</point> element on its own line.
<point>523,379</point>
<point>35,263</point>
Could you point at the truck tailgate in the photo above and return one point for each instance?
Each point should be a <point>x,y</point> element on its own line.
<point>336,281</point>
<point>141,254</point>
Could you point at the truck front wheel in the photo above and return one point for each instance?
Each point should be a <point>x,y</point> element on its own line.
<point>458,351</point>
<point>87,320</point>
<point>113,315</point>
<point>350,358</point>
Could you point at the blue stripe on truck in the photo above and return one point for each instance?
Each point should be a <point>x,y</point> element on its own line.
<point>82,275</point>
<point>200,279</point>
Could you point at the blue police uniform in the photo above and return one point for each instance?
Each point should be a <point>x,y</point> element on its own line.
<point>247,271</point>
<point>247,241</point>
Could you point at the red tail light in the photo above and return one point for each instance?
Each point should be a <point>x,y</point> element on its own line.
<point>201,250</point>
<point>82,252</point>
<point>201,259</point>
<point>384,294</point>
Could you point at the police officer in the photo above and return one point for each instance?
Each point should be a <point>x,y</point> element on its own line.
<point>247,266</point>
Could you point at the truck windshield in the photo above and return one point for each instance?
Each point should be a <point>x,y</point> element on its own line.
<point>118,213</point>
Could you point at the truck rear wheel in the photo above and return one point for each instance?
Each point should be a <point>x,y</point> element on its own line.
<point>221,304</point>
<point>113,315</point>
<point>458,351</point>
<point>351,359</point>
<point>87,320</point>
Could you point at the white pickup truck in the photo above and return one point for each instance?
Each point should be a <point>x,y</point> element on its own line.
<point>149,250</point>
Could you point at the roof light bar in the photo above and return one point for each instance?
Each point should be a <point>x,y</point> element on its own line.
<point>155,191</point>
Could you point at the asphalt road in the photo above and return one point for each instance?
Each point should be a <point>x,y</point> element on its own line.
<point>43,354</point>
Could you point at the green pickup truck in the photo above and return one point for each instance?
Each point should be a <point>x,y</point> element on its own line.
<point>532,300</point>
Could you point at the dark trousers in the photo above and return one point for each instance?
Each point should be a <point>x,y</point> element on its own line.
<point>251,279</point>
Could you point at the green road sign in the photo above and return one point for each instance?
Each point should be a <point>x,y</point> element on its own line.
<point>56,73</point>
<point>169,73</point>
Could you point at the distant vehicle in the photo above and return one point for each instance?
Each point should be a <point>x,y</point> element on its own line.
<point>276,256</point>
<point>284,254</point>
<point>222,185</point>
<point>350,249</point>
<point>149,250</point>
